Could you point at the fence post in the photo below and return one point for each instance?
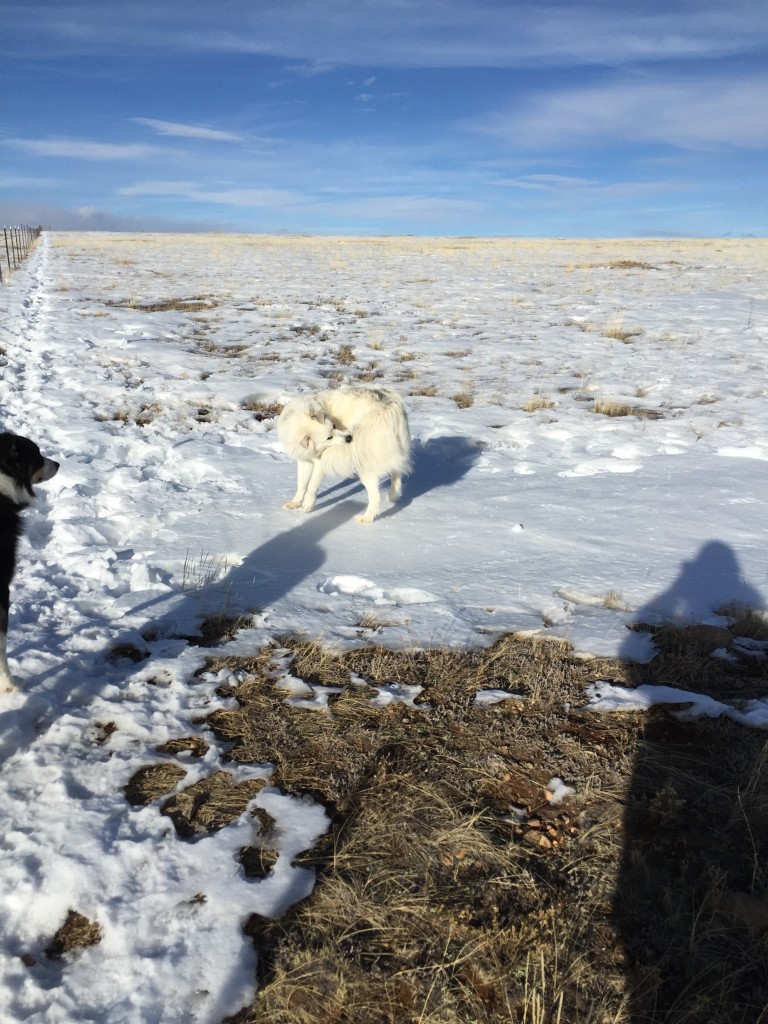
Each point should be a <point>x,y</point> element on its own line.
<point>18,241</point>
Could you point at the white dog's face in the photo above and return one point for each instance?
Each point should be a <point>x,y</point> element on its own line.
<point>320,434</point>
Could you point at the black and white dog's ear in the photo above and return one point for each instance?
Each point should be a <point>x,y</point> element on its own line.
<point>10,457</point>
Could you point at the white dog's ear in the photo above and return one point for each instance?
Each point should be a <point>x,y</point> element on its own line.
<point>306,441</point>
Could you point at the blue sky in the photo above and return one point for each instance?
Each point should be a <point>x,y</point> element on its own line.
<point>436,117</point>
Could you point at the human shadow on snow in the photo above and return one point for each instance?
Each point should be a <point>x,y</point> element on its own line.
<point>691,903</point>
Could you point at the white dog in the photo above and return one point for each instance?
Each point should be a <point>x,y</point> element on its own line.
<point>350,432</point>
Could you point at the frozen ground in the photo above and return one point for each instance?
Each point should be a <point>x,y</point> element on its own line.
<point>148,365</point>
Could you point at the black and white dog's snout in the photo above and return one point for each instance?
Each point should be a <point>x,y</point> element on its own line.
<point>49,469</point>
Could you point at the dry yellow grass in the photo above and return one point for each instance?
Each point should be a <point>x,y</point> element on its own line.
<point>450,889</point>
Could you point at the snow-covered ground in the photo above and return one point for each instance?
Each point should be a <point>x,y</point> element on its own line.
<point>141,363</point>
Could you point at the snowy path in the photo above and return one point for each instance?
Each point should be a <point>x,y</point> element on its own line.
<point>556,519</point>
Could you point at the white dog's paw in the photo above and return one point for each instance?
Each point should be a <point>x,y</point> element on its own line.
<point>291,504</point>
<point>307,508</point>
<point>8,686</point>
<point>365,518</point>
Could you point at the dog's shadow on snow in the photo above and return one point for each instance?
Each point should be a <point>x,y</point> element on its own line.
<point>266,575</point>
<point>269,573</point>
<point>279,565</point>
<point>438,462</point>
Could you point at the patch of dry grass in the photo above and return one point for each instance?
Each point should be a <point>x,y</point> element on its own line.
<point>611,407</point>
<point>345,355</point>
<point>193,304</point>
<point>538,401</point>
<point>464,399</point>
<point>619,332</point>
<point>261,409</point>
<point>450,888</point>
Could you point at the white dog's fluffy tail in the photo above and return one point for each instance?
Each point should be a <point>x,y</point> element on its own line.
<point>381,439</point>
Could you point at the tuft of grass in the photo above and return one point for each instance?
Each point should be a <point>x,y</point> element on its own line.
<point>345,355</point>
<point>631,265</point>
<point>619,332</point>
<point>610,407</point>
<point>262,410</point>
<point>202,571</point>
<point>76,933</point>
<point>464,399</point>
<point>538,401</point>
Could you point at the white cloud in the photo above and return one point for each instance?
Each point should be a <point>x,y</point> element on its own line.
<point>414,208</point>
<point>564,186</point>
<point>20,181</point>
<point>84,149</point>
<point>188,131</point>
<point>265,198</point>
<point>690,114</point>
<point>391,33</point>
<point>317,67</point>
<point>158,188</point>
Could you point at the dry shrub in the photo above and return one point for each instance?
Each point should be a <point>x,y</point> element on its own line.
<point>538,402</point>
<point>464,399</point>
<point>345,355</point>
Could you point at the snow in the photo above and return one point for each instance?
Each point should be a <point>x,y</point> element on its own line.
<point>527,510</point>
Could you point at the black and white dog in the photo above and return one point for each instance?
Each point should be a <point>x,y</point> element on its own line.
<point>21,465</point>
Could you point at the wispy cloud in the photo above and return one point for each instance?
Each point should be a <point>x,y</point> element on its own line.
<point>187,131</point>
<point>22,181</point>
<point>570,187</point>
<point>243,197</point>
<point>697,113</point>
<point>390,33</point>
<point>84,149</point>
<point>317,67</point>
<point>413,207</point>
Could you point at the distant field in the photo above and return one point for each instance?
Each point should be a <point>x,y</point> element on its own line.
<point>360,775</point>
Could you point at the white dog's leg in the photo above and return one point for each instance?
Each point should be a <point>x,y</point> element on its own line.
<point>371,484</point>
<point>313,486</point>
<point>7,685</point>
<point>395,488</point>
<point>303,473</point>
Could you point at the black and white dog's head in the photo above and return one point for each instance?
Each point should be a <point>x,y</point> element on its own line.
<point>21,465</point>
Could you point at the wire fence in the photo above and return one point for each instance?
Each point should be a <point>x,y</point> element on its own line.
<point>18,241</point>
